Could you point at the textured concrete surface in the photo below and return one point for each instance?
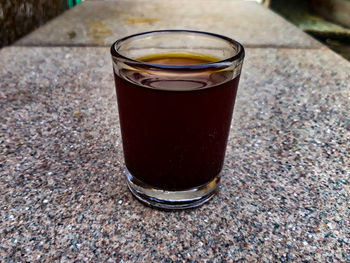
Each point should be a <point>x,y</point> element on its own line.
<point>285,192</point>
<point>102,22</point>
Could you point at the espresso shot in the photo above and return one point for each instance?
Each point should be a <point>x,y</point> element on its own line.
<point>176,91</point>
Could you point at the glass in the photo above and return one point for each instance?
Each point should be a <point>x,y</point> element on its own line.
<point>176,91</point>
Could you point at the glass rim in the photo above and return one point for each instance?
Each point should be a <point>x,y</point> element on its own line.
<point>217,64</point>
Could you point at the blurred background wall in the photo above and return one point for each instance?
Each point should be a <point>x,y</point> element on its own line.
<point>326,20</point>
<point>19,17</point>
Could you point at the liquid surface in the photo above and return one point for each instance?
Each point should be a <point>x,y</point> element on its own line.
<point>178,59</point>
<point>175,128</point>
<point>177,81</point>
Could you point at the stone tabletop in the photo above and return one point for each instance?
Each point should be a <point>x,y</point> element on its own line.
<point>285,193</point>
<point>100,23</point>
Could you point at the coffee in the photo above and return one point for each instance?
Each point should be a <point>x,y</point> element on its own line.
<point>175,126</point>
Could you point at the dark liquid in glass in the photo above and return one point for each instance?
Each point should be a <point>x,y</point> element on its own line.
<point>175,131</point>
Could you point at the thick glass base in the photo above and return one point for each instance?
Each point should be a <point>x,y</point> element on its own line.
<point>165,199</point>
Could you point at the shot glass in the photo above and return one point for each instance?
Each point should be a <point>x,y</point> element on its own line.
<point>176,92</point>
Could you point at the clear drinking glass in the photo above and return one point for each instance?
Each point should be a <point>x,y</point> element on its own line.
<point>176,91</point>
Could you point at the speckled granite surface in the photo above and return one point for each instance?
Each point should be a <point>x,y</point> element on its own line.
<point>102,22</point>
<point>285,192</point>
